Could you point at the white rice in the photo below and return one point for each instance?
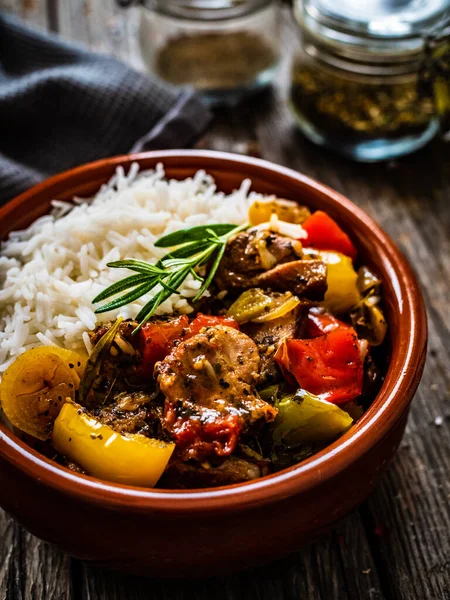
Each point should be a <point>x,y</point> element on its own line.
<point>50,272</point>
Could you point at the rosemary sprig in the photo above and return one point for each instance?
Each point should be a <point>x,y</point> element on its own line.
<point>190,249</point>
<point>95,360</point>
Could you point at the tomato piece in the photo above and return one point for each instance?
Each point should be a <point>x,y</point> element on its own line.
<point>325,234</point>
<point>329,366</point>
<point>202,320</point>
<point>157,340</point>
<point>218,437</point>
<point>320,323</point>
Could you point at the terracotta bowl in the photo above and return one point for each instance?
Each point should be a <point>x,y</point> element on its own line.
<point>177,533</point>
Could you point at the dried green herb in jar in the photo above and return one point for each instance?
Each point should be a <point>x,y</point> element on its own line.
<point>356,108</point>
<point>436,71</point>
<point>212,61</point>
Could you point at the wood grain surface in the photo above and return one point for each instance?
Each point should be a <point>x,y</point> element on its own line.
<point>397,545</point>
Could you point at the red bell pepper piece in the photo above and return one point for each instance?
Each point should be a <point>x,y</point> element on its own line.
<point>329,366</point>
<point>202,320</point>
<point>320,323</point>
<point>157,340</point>
<point>325,234</point>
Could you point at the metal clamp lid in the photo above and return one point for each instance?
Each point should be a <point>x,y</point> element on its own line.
<point>200,9</point>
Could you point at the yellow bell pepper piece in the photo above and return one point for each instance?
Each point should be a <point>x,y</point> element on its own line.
<point>131,460</point>
<point>281,305</point>
<point>249,305</point>
<point>261,211</point>
<point>255,305</point>
<point>342,293</point>
<point>36,385</point>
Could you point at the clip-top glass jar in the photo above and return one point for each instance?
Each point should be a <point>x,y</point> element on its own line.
<point>223,48</point>
<point>358,81</point>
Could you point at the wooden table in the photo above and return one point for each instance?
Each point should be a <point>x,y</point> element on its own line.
<point>397,545</point>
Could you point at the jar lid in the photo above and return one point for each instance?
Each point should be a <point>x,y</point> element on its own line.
<point>373,28</point>
<point>206,10</point>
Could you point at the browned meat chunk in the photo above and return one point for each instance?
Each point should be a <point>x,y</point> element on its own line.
<point>130,413</point>
<point>246,265</point>
<point>208,382</point>
<point>192,474</point>
<point>122,422</point>
<point>247,255</point>
<point>268,336</point>
<point>305,278</point>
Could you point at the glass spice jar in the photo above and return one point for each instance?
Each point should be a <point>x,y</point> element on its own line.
<point>361,81</point>
<point>223,48</point>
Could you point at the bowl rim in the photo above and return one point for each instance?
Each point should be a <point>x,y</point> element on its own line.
<point>387,409</point>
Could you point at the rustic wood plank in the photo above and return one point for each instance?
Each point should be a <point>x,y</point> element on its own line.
<point>124,27</point>
<point>102,26</point>
<point>72,21</point>
<point>45,571</point>
<point>33,11</point>
<point>410,528</point>
<point>360,570</point>
<point>312,574</point>
<point>411,508</point>
<point>87,22</point>
<point>29,568</point>
<point>339,565</point>
<point>9,532</point>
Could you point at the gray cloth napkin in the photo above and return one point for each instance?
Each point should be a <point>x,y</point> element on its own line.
<point>61,106</point>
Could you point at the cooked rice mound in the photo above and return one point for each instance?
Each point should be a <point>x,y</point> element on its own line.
<point>50,272</point>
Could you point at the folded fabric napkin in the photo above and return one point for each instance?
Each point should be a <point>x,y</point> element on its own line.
<point>61,106</point>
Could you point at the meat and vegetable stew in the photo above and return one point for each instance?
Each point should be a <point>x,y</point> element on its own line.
<point>279,357</point>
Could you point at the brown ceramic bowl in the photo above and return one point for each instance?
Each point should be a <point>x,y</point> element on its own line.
<point>177,533</point>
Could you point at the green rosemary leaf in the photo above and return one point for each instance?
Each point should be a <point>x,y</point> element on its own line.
<point>212,233</point>
<point>185,251</point>
<point>128,298</point>
<point>177,278</point>
<point>120,286</point>
<point>196,275</point>
<point>136,265</point>
<point>175,262</point>
<point>205,260</point>
<point>147,311</point>
<point>232,232</point>
<point>211,273</point>
<point>168,288</point>
<point>193,234</point>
